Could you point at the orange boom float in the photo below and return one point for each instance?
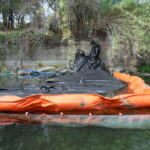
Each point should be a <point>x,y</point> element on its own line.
<point>136,102</point>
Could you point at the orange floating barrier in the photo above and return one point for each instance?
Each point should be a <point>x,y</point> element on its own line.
<point>138,97</point>
<point>68,103</point>
<point>135,84</point>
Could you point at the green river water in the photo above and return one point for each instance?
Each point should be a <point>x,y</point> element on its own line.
<point>44,137</point>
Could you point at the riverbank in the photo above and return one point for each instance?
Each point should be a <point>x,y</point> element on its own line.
<point>143,71</point>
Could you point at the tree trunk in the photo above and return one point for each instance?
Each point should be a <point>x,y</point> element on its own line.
<point>5,20</point>
<point>22,21</point>
<point>11,19</point>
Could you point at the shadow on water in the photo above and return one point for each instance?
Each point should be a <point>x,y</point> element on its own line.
<point>20,85</point>
<point>29,137</point>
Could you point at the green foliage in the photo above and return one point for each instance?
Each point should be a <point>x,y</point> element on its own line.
<point>40,65</point>
<point>127,24</point>
<point>64,20</point>
<point>2,54</point>
<point>144,69</point>
<point>129,31</point>
<point>106,7</point>
<point>11,38</point>
<point>25,41</point>
<point>8,9</point>
<point>56,36</point>
<point>146,79</point>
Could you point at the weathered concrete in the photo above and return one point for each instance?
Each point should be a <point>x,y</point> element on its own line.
<point>40,55</point>
<point>58,55</point>
<point>36,62</point>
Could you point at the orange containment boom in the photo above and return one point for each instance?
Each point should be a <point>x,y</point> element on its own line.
<point>139,98</point>
<point>135,84</point>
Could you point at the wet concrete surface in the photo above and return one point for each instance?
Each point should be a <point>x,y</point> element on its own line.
<point>98,82</point>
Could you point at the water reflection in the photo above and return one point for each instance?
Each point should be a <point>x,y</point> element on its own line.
<point>23,137</point>
<point>111,121</point>
<point>20,85</point>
